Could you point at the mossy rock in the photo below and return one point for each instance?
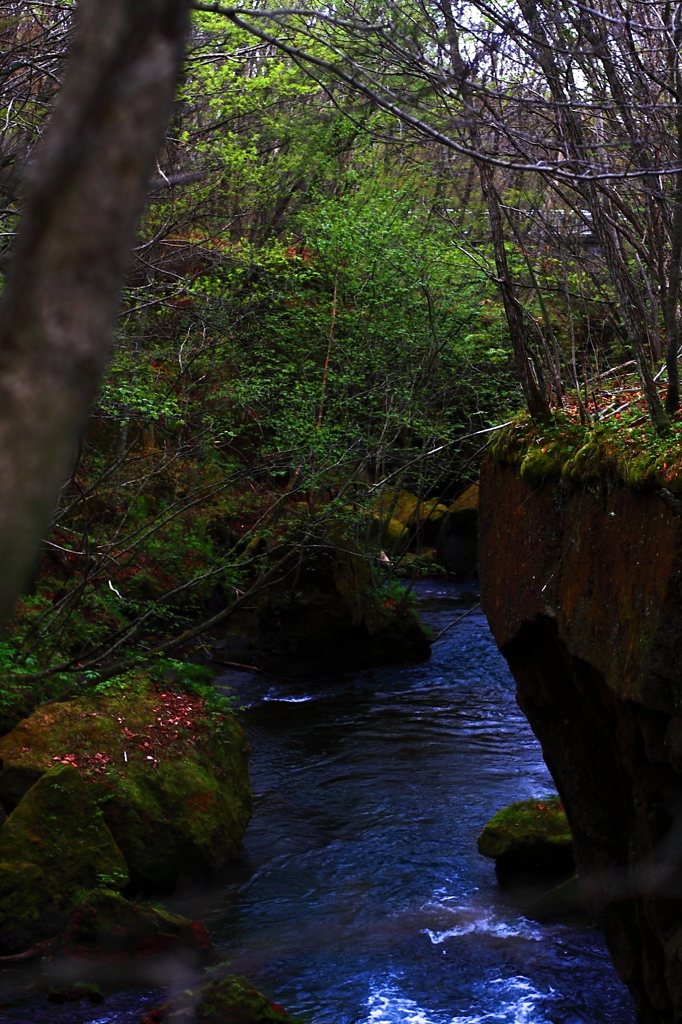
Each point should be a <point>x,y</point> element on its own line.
<point>539,466</point>
<point>586,464</point>
<point>105,924</point>
<point>394,535</point>
<point>54,844</point>
<point>529,832</point>
<point>396,504</point>
<point>172,783</point>
<point>467,503</point>
<point>335,621</point>
<point>639,473</point>
<point>227,1000</point>
<point>405,516</point>
<point>422,565</point>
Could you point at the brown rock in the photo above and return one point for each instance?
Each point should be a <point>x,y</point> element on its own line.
<point>581,585</point>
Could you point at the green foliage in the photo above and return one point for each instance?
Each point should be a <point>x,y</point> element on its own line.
<point>297,321</point>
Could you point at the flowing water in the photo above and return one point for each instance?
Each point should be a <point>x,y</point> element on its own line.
<point>361,898</point>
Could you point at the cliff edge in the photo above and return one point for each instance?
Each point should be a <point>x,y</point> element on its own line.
<point>581,581</point>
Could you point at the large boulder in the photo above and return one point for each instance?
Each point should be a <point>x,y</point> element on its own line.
<point>333,620</point>
<point>408,519</point>
<point>169,775</point>
<point>457,544</point>
<point>54,844</point>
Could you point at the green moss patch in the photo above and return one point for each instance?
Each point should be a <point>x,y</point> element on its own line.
<point>622,448</point>
<point>529,832</point>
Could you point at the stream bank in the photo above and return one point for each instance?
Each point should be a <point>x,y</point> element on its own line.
<point>361,897</point>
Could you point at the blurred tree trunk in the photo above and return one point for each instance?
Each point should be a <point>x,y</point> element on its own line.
<point>85,187</point>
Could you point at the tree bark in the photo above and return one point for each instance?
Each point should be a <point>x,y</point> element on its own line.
<point>85,188</point>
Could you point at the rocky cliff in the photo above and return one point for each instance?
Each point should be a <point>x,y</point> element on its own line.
<point>581,581</point>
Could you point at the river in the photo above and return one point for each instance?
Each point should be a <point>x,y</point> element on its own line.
<point>361,898</point>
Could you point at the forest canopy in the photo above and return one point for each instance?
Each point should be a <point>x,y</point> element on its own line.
<point>372,235</point>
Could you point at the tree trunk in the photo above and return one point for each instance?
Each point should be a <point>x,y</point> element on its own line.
<point>85,190</point>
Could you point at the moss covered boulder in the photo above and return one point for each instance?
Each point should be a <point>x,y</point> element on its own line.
<point>54,844</point>
<point>227,1000</point>
<point>169,776</point>
<point>104,925</point>
<point>529,832</point>
<point>335,620</point>
<point>408,519</point>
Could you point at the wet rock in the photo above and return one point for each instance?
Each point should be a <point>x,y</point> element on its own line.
<point>560,901</point>
<point>457,544</point>
<point>171,780</point>
<point>105,926</point>
<point>529,832</point>
<point>53,844</point>
<point>73,993</point>
<point>226,1000</point>
<point>334,621</point>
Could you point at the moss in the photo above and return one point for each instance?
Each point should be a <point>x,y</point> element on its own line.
<point>538,466</point>
<point>55,843</point>
<point>227,1000</point>
<point>529,832</point>
<point>639,473</point>
<point>467,502</point>
<point>586,464</point>
<point>171,781</point>
<point>622,447</point>
<point>74,993</point>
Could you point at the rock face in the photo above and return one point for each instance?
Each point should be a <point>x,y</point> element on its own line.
<point>582,586</point>
<point>457,545</point>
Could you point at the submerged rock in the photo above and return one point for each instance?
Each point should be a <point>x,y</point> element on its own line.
<point>563,899</point>
<point>54,844</point>
<point>227,1000</point>
<point>104,925</point>
<point>74,993</point>
<point>529,832</point>
<point>170,778</point>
